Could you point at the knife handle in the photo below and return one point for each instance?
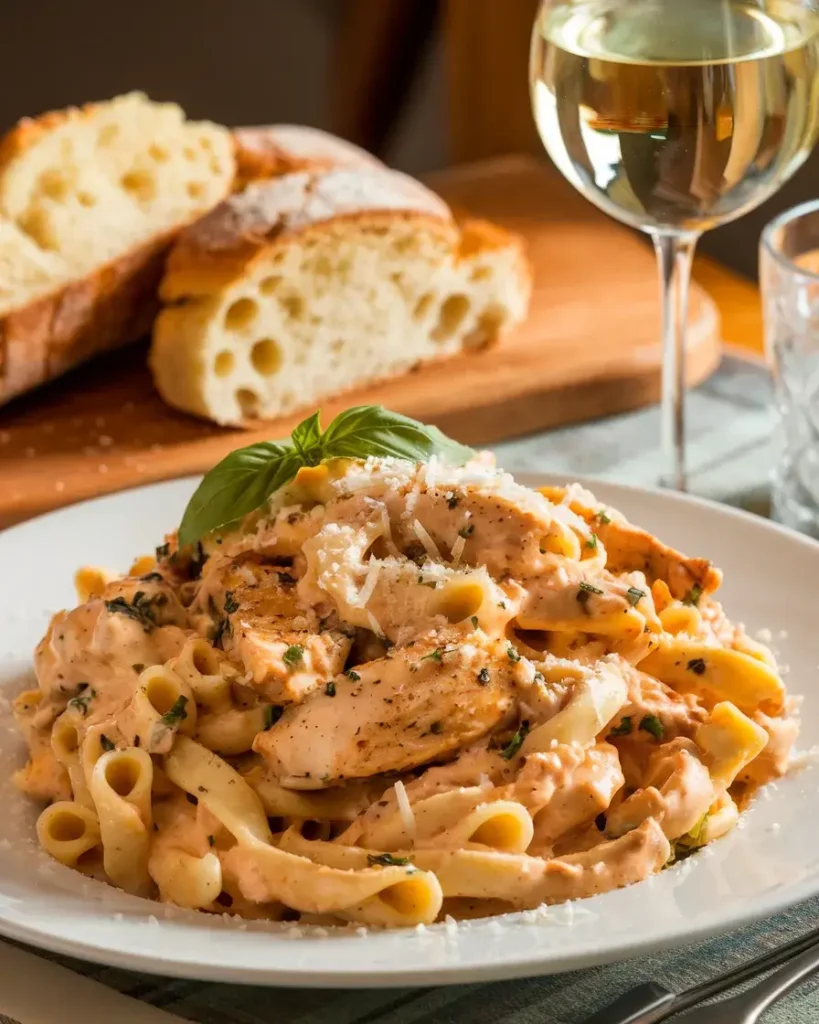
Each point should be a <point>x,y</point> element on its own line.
<point>643,1004</point>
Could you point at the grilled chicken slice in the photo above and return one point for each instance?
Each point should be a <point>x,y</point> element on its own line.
<point>253,612</point>
<point>392,596</point>
<point>654,706</point>
<point>99,645</point>
<point>630,548</point>
<point>475,515</point>
<point>418,704</point>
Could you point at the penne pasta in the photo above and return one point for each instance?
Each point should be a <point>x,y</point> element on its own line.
<point>67,830</point>
<point>395,691</point>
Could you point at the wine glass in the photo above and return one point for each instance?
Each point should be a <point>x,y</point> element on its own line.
<point>675,116</point>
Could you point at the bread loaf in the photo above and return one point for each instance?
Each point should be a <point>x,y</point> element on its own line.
<point>317,282</point>
<point>90,199</point>
<point>274,150</point>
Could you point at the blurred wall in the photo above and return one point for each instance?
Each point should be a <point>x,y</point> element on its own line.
<point>234,61</point>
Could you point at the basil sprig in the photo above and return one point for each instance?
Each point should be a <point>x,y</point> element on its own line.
<point>244,480</point>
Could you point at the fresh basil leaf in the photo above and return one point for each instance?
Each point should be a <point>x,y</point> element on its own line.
<point>307,440</point>
<point>449,450</point>
<point>372,430</point>
<point>238,485</point>
<point>244,480</point>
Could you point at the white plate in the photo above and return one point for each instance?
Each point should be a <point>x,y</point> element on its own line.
<point>772,861</point>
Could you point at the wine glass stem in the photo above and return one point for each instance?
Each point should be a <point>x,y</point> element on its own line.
<point>675,254</point>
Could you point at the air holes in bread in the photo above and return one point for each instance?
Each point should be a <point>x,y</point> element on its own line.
<point>139,185</point>
<point>158,153</point>
<point>266,357</point>
<point>453,313</point>
<point>241,314</point>
<point>490,324</point>
<point>481,274</point>
<point>294,306</point>
<point>269,285</point>
<point>223,364</point>
<point>248,402</point>
<point>190,153</point>
<point>107,135</point>
<point>53,185</point>
<point>86,199</point>
<point>423,305</point>
<point>195,189</point>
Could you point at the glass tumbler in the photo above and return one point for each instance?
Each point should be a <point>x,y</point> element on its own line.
<point>789,269</point>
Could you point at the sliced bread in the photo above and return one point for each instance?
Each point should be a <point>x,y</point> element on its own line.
<point>317,282</point>
<point>90,199</point>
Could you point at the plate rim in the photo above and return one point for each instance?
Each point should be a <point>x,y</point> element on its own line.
<point>141,960</point>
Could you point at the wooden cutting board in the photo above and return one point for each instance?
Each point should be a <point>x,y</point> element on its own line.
<point>590,348</point>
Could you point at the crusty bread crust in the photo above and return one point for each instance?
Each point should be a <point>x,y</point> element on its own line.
<point>220,247</point>
<point>110,308</point>
<point>275,150</point>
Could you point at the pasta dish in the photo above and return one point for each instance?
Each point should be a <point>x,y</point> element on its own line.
<point>398,690</point>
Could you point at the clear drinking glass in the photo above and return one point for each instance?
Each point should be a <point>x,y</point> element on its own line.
<point>675,116</point>
<point>789,266</point>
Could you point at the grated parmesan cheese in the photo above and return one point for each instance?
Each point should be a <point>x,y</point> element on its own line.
<point>458,550</point>
<point>429,544</point>
<point>370,582</point>
<point>375,625</point>
<point>405,810</point>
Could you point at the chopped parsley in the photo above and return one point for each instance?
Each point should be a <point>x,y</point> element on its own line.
<point>634,596</point>
<point>513,655</point>
<point>653,725</point>
<point>83,699</point>
<point>697,666</point>
<point>294,655</point>
<point>177,713</point>
<point>466,531</point>
<point>585,592</point>
<point>286,579</point>
<point>138,667</point>
<point>163,551</point>
<point>452,501</point>
<point>693,596</point>
<point>191,799</point>
<point>330,689</point>
<point>591,543</point>
<point>152,577</point>
<point>141,608</point>
<point>231,604</point>
<point>386,860</point>
<point>483,676</point>
<point>272,713</point>
<point>514,745</point>
<point>474,621</point>
<point>105,743</point>
<point>211,841</point>
<point>624,728</point>
<point>222,630</point>
<point>436,728</point>
<point>438,653</point>
<point>603,518</point>
<point>352,675</point>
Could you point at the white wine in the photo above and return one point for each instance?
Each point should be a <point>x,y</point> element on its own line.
<point>677,116</point>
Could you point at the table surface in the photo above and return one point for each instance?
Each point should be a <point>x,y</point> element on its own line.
<point>730,427</point>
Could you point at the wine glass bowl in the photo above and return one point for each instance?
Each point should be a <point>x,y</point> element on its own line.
<point>675,117</point>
